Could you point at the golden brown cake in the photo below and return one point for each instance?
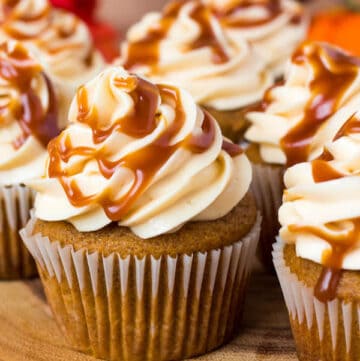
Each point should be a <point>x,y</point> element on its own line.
<point>208,48</point>
<point>317,255</point>
<point>293,122</point>
<point>147,222</point>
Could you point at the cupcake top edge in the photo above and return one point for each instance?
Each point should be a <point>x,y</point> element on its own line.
<point>291,124</point>
<point>210,51</point>
<point>141,154</point>
<point>58,39</point>
<point>321,205</point>
<point>28,114</point>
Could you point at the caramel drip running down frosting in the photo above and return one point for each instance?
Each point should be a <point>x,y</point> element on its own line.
<point>334,72</point>
<point>341,242</point>
<point>146,50</point>
<point>19,70</point>
<point>145,162</point>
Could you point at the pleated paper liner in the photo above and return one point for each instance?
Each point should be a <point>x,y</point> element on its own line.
<point>15,260</point>
<point>267,188</point>
<point>322,331</point>
<point>144,309</point>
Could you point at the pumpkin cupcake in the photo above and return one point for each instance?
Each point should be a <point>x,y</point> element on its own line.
<point>317,256</point>
<point>322,83</point>
<point>58,39</point>
<point>28,120</point>
<point>194,45</point>
<point>144,229</point>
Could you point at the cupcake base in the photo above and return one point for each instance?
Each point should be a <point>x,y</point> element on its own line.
<point>15,260</point>
<point>322,331</point>
<point>148,308</point>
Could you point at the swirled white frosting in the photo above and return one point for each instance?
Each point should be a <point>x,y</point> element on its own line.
<point>188,185</point>
<point>22,155</point>
<point>185,56</point>
<point>287,104</point>
<point>59,40</point>
<point>273,28</point>
<point>331,206</point>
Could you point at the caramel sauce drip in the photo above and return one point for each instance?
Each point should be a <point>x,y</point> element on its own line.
<point>228,16</point>
<point>146,51</point>
<point>322,171</point>
<point>143,163</point>
<point>19,71</point>
<point>351,126</point>
<point>341,244</point>
<point>334,72</point>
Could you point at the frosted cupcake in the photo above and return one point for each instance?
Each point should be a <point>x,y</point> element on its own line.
<point>321,84</point>
<point>59,40</point>
<point>146,218</point>
<point>187,45</point>
<point>28,120</point>
<point>317,256</point>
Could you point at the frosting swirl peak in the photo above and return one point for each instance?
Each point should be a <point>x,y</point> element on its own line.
<point>186,44</point>
<point>321,83</point>
<point>142,155</point>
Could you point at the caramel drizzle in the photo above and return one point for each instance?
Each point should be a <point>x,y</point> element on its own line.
<point>322,171</point>
<point>10,17</point>
<point>19,70</point>
<point>143,163</point>
<point>334,73</point>
<point>146,51</point>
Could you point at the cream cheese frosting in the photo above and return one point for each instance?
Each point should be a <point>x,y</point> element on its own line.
<point>59,40</point>
<point>143,155</point>
<point>274,28</point>
<point>321,210</point>
<point>187,45</point>
<point>321,84</point>
<point>28,115</point>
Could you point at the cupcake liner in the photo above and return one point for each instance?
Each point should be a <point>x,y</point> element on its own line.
<point>322,331</point>
<point>267,188</point>
<point>15,260</point>
<point>144,309</point>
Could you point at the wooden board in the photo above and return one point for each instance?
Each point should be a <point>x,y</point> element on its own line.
<point>29,333</point>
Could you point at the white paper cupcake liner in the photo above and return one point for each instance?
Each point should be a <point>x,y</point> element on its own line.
<point>322,331</point>
<point>15,260</point>
<point>144,309</point>
<point>267,188</point>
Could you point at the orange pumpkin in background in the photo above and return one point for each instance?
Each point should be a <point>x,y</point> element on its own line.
<point>339,26</point>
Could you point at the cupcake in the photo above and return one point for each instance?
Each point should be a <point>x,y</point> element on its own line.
<point>28,120</point>
<point>321,84</point>
<point>144,229</point>
<point>316,257</point>
<point>188,44</point>
<point>58,39</point>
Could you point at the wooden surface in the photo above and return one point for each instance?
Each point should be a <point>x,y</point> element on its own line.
<point>28,331</point>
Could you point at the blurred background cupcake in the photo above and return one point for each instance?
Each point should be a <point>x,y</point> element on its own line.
<point>322,83</point>
<point>28,120</point>
<point>58,39</point>
<point>317,255</point>
<point>213,52</point>
<point>146,216</point>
